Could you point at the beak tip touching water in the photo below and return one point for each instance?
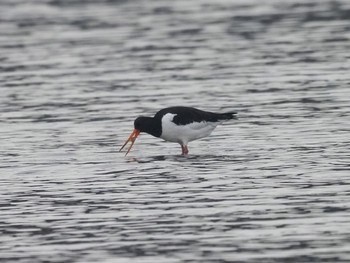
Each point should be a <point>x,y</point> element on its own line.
<point>131,138</point>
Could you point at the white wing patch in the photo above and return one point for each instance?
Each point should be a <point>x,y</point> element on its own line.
<point>185,133</point>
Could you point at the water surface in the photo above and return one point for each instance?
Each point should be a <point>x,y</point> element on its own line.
<point>270,187</point>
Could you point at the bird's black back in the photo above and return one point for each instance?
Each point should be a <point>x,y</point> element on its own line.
<point>186,115</point>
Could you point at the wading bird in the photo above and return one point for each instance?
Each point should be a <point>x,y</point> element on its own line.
<point>178,124</point>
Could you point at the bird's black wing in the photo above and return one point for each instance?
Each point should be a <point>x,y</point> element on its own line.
<point>186,115</point>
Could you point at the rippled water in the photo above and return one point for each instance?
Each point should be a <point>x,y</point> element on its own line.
<point>270,187</point>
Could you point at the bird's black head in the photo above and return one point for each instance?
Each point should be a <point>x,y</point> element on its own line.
<point>141,123</point>
<point>148,125</point>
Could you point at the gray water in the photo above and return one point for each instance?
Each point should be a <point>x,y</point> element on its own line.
<point>272,186</point>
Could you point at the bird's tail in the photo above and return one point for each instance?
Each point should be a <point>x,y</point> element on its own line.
<point>228,115</point>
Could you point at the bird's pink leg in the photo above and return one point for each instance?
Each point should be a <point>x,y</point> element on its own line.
<point>184,149</point>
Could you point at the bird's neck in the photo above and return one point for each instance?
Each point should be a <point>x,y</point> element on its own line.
<point>153,127</point>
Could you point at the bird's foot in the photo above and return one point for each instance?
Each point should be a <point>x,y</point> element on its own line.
<point>184,150</point>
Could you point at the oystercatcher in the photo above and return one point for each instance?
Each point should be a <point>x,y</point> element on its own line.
<point>178,124</point>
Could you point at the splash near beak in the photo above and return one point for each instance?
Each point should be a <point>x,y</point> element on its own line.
<point>131,138</point>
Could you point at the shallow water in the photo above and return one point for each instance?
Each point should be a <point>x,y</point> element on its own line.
<point>270,187</point>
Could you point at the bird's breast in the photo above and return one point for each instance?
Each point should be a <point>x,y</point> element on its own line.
<point>184,133</point>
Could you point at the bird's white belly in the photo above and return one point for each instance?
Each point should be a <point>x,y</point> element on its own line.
<point>184,133</point>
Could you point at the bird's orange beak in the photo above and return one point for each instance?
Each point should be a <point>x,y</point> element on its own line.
<point>131,138</point>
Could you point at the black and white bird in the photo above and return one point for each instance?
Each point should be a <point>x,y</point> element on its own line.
<point>178,124</point>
